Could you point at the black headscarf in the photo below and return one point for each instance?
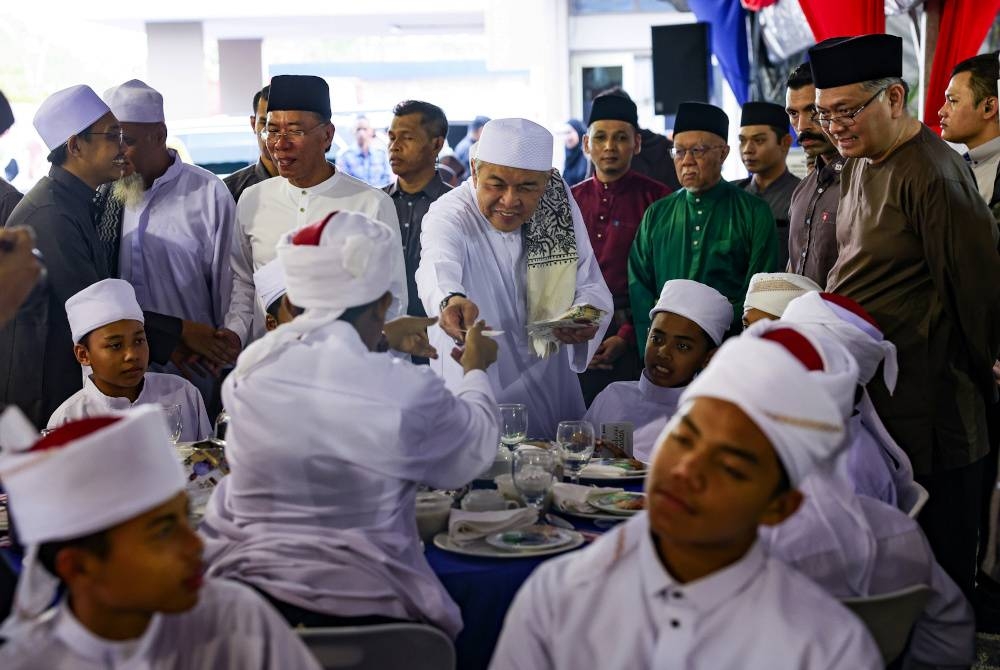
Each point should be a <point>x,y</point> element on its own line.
<point>575,166</point>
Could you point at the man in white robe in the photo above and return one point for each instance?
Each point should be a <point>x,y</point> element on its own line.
<point>509,246</point>
<point>298,135</point>
<point>686,584</point>
<point>324,525</point>
<point>128,558</point>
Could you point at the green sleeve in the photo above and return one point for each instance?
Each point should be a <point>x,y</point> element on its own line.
<point>642,289</point>
<point>763,245</point>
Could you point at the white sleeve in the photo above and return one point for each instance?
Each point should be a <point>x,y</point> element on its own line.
<point>442,257</point>
<point>945,634</point>
<point>527,634</point>
<point>239,318</point>
<point>398,287</point>
<point>450,438</point>
<point>591,289</point>
<point>221,272</point>
<point>205,429</point>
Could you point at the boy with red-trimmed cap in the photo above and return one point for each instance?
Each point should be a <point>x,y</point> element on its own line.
<point>128,558</point>
<point>687,585</point>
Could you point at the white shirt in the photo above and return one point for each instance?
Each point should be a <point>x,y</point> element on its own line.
<point>230,627</point>
<point>614,606</point>
<point>855,546</point>
<point>985,159</point>
<point>649,407</point>
<point>175,245</point>
<point>157,389</point>
<point>327,445</point>
<point>273,207</point>
<point>463,253</point>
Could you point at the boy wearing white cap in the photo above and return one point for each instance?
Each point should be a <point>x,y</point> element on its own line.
<point>129,559</point>
<point>175,221</point>
<point>853,545</point>
<point>110,337</point>
<point>687,584</point>
<point>510,247</point>
<point>323,525</point>
<point>269,282</point>
<point>688,324</point>
<point>770,292</point>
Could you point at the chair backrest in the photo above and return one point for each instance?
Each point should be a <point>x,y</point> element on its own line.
<point>922,496</point>
<point>383,647</point>
<point>889,617</point>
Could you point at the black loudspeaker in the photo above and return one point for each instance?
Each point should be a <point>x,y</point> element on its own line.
<point>681,65</point>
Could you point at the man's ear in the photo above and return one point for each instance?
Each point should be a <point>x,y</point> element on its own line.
<point>781,507</point>
<point>73,145</point>
<point>586,143</point>
<point>82,354</point>
<point>637,147</point>
<point>708,358</point>
<point>270,323</point>
<point>438,144</point>
<point>73,564</point>
<point>725,153</point>
<point>253,123</point>
<point>786,143</point>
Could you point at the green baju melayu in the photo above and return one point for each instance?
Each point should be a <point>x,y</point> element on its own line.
<point>720,237</point>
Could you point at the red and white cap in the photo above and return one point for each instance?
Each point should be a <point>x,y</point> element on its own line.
<point>846,321</point>
<point>84,477</point>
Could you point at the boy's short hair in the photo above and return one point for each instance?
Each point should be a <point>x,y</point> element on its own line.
<point>95,543</point>
<point>275,307</point>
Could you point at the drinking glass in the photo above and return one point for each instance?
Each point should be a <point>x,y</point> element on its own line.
<point>533,473</point>
<point>513,424</point>
<point>175,423</point>
<point>576,446</point>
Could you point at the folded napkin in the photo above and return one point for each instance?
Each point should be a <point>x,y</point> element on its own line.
<point>573,497</point>
<point>601,470</point>
<point>465,527</point>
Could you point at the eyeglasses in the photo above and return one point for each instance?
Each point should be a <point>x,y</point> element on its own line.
<point>293,136</point>
<point>697,152</point>
<point>845,120</point>
<point>113,136</point>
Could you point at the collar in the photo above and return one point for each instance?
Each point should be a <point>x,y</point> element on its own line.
<point>785,176</point>
<point>76,186</point>
<point>984,152</point>
<point>661,395</point>
<point>703,595</point>
<point>111,403</point>
<point>715,193</point>
<point>620,185</point>
<point>173,171</point>
<point>107,653</point>
<point>295,192</point>
<point>434,189</point>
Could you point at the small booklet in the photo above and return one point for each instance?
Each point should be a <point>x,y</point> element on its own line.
<point>571,318</point>
<point>619,434</point>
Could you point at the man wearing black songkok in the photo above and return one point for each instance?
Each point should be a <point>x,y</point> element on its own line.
<point>918,251</point>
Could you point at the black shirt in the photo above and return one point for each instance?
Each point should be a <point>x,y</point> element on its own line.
<point>411,208</point>
<point>241,180</point>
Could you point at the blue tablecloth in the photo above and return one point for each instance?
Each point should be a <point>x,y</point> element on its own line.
<point>484,588</point>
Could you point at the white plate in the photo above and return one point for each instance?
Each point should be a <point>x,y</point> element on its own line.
<point>626,474</point>
<point>593,516</point>
<point>530,538</point>
<point>480,548</point>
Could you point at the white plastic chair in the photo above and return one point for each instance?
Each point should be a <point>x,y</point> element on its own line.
<point>922,496</point>
<point>890,617</point>
<point>383,647</point>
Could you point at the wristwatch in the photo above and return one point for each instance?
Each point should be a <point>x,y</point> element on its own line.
<point>444,303</point>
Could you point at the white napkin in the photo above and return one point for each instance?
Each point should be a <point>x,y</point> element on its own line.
<point>601,470</point>
<point>573,497</point>
<point>465,527</point>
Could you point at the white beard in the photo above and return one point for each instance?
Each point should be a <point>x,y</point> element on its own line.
<point>129,190</point>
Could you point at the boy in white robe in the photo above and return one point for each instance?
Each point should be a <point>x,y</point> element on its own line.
<point>329,440</point>
<point>856,546</point>
<point>686,584</point>
<point>847,322</point>
<point>118,538</point>
<point>770,292</point>
<point>108,334</point>
<point>688,324</point>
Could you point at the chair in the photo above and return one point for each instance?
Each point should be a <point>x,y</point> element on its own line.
<point>890,617</point>
<point>922,496</point>
<point>383,647</point>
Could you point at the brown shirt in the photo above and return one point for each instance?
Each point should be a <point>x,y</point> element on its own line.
<point>812,226</point>
<point>917,251</point>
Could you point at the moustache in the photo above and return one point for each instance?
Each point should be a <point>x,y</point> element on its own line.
<point>805,135</point>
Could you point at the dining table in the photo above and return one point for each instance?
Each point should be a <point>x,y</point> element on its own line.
<point>484,587</point>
